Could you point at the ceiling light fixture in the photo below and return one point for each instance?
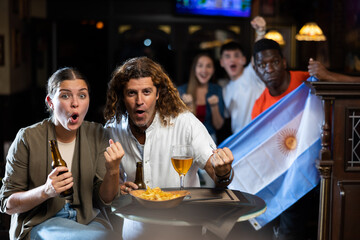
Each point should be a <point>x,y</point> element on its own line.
<point>310,32</point>
<point>276,36</point>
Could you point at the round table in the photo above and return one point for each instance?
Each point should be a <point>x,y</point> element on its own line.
<point>215,209</point>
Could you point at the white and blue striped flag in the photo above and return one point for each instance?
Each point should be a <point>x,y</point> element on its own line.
<point>275,153</point>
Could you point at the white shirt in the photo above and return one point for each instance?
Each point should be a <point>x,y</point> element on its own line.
<point>157,166</point>
<point>240,96</point>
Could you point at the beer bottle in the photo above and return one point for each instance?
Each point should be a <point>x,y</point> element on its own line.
<point>139,180</point>
<point>57,162</point>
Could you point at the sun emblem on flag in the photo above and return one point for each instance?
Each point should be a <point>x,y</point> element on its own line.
<point>287,141</point>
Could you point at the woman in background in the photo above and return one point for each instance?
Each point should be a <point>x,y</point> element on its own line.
<point>203,97</point>
<point>31,188</point>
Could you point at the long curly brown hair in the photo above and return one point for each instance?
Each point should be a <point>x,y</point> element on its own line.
<point>169,103</point>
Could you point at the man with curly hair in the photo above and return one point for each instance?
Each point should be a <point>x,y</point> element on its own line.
<point>145,113</point>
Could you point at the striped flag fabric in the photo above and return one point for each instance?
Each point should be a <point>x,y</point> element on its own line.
<point>274,155</point>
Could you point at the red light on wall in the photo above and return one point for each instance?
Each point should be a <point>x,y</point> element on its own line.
<point>100,25</point>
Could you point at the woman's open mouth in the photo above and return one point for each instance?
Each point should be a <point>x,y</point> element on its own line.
<point>74,118</point>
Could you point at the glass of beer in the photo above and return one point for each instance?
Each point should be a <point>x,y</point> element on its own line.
<point>182,158</point>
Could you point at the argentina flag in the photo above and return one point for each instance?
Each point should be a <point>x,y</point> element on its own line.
<point>274,155</point>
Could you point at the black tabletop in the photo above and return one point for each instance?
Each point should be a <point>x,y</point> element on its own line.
<point>205,207</point>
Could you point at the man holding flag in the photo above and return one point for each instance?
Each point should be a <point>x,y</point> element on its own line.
<point>275,154</point>
<point>270,65</point>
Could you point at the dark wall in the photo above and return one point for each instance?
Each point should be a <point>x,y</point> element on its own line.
<point>97,52</point>
<point>144,17</point>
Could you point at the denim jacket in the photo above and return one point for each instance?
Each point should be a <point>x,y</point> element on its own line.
<point>213,89</point>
